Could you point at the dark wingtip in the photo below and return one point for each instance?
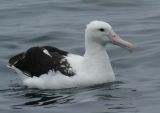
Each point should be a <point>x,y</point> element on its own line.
<point>15,59</point>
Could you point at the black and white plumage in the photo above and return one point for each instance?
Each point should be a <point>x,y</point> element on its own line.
<point>40,60</point>
<point>48,67</point>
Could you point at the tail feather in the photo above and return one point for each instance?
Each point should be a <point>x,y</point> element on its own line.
<point>16,63</point>
<point>16,59</point>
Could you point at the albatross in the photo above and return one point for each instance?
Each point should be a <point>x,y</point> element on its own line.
<point>52,68</point>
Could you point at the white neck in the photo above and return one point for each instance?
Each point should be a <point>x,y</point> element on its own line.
<point>98,60</point>
<point>93,49</point>
<point>96,53</point>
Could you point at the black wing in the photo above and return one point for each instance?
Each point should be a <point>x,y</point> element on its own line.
<point>40,60</point>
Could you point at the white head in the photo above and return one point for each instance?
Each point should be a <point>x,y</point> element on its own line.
<point>102,33</point>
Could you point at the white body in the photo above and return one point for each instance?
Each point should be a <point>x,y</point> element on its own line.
<point>90,71</point>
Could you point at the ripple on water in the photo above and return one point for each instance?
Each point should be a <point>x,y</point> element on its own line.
<point>107,94</point>
<point>60,23</point>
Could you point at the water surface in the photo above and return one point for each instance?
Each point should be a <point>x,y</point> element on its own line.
<point>27,23</point>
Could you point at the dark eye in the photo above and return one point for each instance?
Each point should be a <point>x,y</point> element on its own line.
<point>101,29</point>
